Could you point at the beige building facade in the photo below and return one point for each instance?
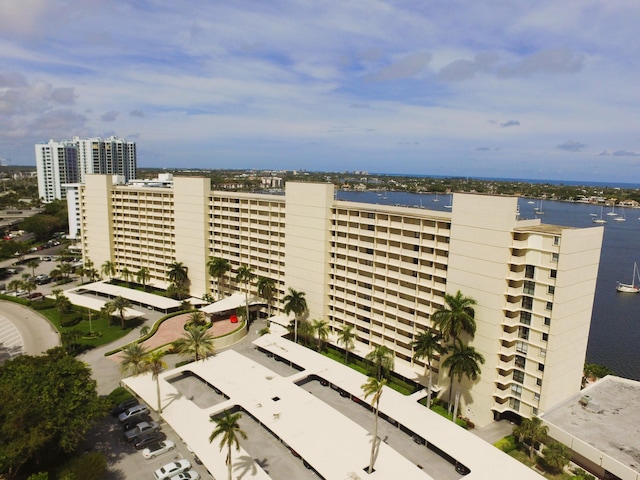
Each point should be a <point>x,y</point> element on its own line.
<point>382,269</point>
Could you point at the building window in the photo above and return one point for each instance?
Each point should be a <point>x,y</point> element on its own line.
<point>523,332</point>
<point>518,376</point>
<point>529,287</point>
<point>549,306</point>
<point>530,271</point>
<point>541,367</point>
<point>516,390</point>
<point>514,403</point>
<point>556,241</point>
<point>543,352</point>
<point>534,410</point>
<point>520,362</point>
<point>539,382</point>
<point>525,318</point>
<point>522,347</point>
<point>555,257</point>
<point>536,397</point>
<point>545,337</point>
<point>547,321</point>
<point>553,273</point>
<point>551,290</point>
<point>527,302</point>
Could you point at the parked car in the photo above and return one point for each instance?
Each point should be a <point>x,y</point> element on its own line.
<point>158,448</point>
<point>145,440</point>
<point>134,421</point>
<point>123,406</point>
<point>134,411</point>
<point>172,469</point>
<point>141,429</point>
<point>190,475</point>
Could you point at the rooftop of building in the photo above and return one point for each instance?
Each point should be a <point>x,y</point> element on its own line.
<point>605,416</point>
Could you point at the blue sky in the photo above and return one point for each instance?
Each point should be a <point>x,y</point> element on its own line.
<point>519,89</point>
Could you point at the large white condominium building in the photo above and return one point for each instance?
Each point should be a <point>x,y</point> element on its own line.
<point>382,269</point>
<point>66,162</point>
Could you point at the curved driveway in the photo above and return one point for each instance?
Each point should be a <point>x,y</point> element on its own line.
<point>24,331</point>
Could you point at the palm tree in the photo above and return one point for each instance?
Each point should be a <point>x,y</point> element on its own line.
<point>556,455</point>
<point>143,276</point>
<point>197,319</point>
<point>133,359</point>
<point>63,304</point>
<point>427,344</point>
<point>155,364</point>
<point>374,387</point>
<point>464,361</point>
<point>229,430</point>
<point>382,359</point>
<point>29,285</point>
<point>321,328</point>
<point>120,304</point>
<point>109,269</point>
<point>266,289</point>
<point>346,338</point>
<point>245,275</point>
<point>196,341</point>
<point>92,273</point>
<point>126,275</point>
<point>294,302</point>
<point>178,275</point>
<point>33,264</point>
<point>108,309</point>
<point>218,268</point>
<point>533,430</point>
<point>15,285</point>
<point>455,317</point>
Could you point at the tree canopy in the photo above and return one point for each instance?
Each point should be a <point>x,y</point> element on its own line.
<point>49,403</point>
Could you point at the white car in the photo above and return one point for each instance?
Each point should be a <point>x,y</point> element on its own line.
<point>158,448</point>
<point>190,475</point>
<point>172,469</point>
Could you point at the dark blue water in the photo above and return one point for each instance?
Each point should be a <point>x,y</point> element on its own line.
<point>614,339</point>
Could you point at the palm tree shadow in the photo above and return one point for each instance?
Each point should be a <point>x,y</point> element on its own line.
<point>376,449</point>
<point>245,464</point>
<point>172,398</point>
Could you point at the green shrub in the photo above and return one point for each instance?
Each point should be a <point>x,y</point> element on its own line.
<point>43,304</point>
<point>71,320</point>
<point>507,444</point>
<point>118,395</point>
<point>90,466</point>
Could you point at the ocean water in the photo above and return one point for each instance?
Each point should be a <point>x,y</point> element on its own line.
<point>614,339</point>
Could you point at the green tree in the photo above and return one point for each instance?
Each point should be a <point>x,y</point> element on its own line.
<point>108,269</point>
<point>374,388</point>
<point>63,304</point>
<point>14,285</point>
<point>143,276</point>
<point>465,361</point>
<point>108,309</point>
<point>266,289</point>
<point>381,358</point>
<point>197,319</point>
<point>178,275</point>
<point>120,304</point>
<point>346,337</point>
<point>49,403</point>
<point>455,317</point>
<point>126,275</point>
<point>556,455</point>
<point>229,431</point>
<point>321,329</point>
<point>533,430</point>
<point>155,364</point>
<point>305,332</point>
<point>196,342</point>
<point>246,276</point>
<point>427,344</point>
<point>218,268</point>
<point>33,263</point>
<point>133,360</point>
<point>294,302</point>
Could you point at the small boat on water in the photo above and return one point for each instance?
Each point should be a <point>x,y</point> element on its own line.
<point>599,219</point>
<point>630,287</point>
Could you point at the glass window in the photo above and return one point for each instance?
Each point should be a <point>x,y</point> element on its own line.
<point>534,410</point>
<point>536,397</point>
<point>551,290</point>
<point>514,403</point>
<point>549,306</point>
<point>556,241</point>
<point>553,273</point>
<point>527,302</point>
<point>523,332</point>
<point>516,390</point>
<point>555,257</point>
<point>521,347</point>
<point>529,287</point>
<point>547,321</point>
<point>530,271</point>
<point>541,367</point>
<point>543,352</point>
<point>545,337</point>
<point>525,318</point>
<point>539,382</point>
<point>518,376</point>
<point>520,361</point>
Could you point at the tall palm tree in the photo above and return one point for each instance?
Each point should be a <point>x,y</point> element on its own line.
<point>245,275</point>
<point>229,431</point>
<point>120,304</point>
<point>143,276</point>
<point>197,319</point>
<point>108,269</point>
<point>197,342</point>
<point>556,455</point>
<point>133,359</point>
<point>33,264</point>
<point>126,275</point>
<point>218,268</point>
<point>294,302</point>
<point>427,344</point>
<point>321,328</point>
<point>464,361</point>
<point>346,337</point>
<point>374,387</point>
<point>178,275</point>
<point>382,359</point>
<point>266,289</point>
<point>155,364</point>
<point>108,309</point>
<point>533,430</point>
<point>455,317</point>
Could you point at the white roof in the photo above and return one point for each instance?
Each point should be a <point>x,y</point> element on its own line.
<point>96,304</point>
<point>230,303</point>
<point>144,298</point>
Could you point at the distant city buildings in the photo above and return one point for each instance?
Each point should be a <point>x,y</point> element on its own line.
<point>68,161</point>
<point>382,270</point>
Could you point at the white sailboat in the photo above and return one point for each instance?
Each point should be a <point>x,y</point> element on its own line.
<point>621,218</point>
<point>599,219</point>
<point>450,205</point>
<point>612,213</point>
<point>538,209</point>
<point>632,287</point>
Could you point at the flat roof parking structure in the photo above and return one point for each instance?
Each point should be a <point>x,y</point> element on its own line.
<point>134,296</point>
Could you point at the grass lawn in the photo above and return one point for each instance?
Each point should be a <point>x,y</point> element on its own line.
<point>105,333</point>
<point>523,457</point>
